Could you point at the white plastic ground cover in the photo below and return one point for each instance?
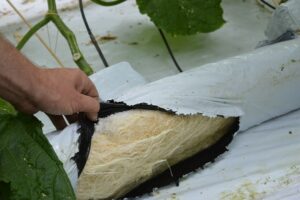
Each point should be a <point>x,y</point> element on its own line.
<point>269,4</point>
<point>8,16</point>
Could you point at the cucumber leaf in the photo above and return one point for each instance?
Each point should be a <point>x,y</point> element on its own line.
<point>29,167</point>
<point>6,108</point>
<point>184,17</point>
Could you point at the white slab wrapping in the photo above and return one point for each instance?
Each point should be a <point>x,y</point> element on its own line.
<point>116,80</point>
<point>65,145</point>
<point>261,85</point>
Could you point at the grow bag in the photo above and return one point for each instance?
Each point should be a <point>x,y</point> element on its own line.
<point>199,108</point>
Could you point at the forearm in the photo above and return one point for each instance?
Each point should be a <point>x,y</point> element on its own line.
<point>17,74</point>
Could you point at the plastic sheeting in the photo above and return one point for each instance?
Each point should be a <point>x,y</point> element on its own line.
<point>259,85</point>
<point>114,81</point>
<point>65,144</point>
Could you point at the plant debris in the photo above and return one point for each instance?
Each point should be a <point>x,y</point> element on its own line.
<point>27,1</point>
<point>103,39</point>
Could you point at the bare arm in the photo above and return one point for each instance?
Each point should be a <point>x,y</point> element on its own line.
<point>53,91</point>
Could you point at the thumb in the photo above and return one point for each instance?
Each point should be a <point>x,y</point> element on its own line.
<point>89,105</point>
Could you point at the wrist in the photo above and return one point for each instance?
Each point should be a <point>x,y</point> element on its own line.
<point>35,89</point>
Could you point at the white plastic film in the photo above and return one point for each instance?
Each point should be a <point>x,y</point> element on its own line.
<point>259,85</point>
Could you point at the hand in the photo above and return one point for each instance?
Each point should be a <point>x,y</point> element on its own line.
<point>63,92</point>
<point>60,92</point>
<point>66,91</point>
<point>54,91</point>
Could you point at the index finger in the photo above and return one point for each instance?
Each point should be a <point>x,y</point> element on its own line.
<point>89,89</point>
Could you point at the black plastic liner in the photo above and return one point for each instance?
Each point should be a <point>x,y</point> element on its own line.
<point>112,107</point>
<point>86,131</point>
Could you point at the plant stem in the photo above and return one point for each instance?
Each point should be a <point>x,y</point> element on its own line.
<point>31,32</point>
<point>53,16</point>
<point>71,39</point>
<point>52,6</point>
<point>36,34</point>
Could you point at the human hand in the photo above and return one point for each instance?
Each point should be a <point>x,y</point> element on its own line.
<point>63,92</point>
<point>66,91</point>
<point>53,91</point>
<point>56,92</point>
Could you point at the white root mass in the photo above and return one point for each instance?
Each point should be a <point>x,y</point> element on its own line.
<point>131,147</point>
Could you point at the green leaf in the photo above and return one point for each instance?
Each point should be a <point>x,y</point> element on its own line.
<point>29,167</point>
<point>184,17</point>
<point>6,108</point>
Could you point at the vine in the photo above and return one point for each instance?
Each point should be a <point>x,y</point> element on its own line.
<point>52,16</point>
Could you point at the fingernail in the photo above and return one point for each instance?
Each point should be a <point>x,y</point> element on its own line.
<point>94,117</point>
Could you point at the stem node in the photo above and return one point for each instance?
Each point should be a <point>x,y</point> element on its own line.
<point>76,56</point>
<point>52,15</point>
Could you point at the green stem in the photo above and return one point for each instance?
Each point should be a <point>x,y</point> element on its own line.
<point>52,6</point>
<point>53,16</point>
<point>71,39</point>
<point>66,32</point>
<point>108,3</point>
<point>31,32</point>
